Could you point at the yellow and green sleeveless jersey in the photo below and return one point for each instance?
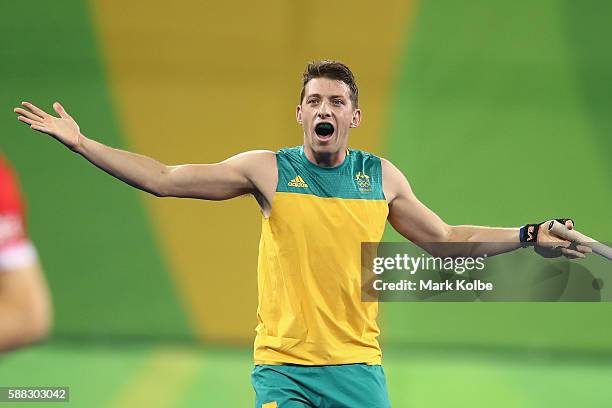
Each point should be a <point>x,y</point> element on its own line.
<point>309,274</point>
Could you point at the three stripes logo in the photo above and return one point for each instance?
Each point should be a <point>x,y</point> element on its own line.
<point>298,182</point>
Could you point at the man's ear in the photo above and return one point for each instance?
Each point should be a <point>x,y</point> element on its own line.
<point>298,114</point>
<point>356,120</point>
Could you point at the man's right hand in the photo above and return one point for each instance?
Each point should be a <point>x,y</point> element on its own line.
<point>64,128</point>
<point>251,172</point>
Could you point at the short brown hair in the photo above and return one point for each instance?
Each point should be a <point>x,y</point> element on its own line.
<point>332,70</point>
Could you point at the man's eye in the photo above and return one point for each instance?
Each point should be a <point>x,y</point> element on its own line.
<point>312,101</point>
<point>338,101</point>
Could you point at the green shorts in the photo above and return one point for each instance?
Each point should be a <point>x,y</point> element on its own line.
<point>337,386</point>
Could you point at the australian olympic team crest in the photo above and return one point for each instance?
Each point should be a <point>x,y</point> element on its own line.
<point>363,182</point>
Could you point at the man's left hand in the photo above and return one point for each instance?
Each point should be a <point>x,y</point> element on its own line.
<point>550,245</point>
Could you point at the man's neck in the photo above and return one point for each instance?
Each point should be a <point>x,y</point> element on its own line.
<point>325,159</point>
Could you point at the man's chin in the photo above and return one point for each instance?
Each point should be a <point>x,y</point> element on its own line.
<point>329,150</point>
<point>324,145</point>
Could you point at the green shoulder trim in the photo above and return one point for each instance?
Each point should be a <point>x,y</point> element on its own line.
<point>358,177</point>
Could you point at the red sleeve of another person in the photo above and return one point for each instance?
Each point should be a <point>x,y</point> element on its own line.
<point>15,247</point>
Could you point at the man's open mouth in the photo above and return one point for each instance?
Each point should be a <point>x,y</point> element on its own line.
<point>324,129</point>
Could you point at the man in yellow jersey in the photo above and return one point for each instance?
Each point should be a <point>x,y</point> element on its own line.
<point>316,342</point>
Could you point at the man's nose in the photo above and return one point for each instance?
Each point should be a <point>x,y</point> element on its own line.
<point>324,111</point>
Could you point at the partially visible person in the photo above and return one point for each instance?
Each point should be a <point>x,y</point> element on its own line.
<point>25,305</point>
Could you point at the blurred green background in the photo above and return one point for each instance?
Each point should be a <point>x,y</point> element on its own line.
<point>497,112</point>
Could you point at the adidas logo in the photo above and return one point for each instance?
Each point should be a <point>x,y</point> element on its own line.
<point>298,182</point>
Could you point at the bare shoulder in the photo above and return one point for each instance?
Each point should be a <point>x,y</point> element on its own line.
<point>255,163</point>
<point>261,157</point>
<point>394,181</point>
<point>260,167</point>
<point>388,168</point>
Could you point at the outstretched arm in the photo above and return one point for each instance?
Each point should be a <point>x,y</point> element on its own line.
<point>419,224</point>
<point>230,178</point>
